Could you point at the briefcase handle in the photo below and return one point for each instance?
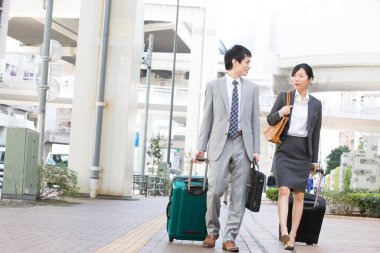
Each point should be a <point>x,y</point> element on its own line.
<point>255,165</point>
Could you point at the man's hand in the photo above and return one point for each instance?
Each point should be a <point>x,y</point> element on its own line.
<point>198,154</point>
<point>256,156</point>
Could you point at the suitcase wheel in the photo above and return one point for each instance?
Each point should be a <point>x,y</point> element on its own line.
<point>171,239</point>
<point>309,243</point>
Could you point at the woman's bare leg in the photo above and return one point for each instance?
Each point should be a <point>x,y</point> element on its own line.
<point>283,207</point>
<point>298,198</point>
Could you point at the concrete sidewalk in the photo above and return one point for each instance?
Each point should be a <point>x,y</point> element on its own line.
<point>140,226</point>
<point>259,233</point>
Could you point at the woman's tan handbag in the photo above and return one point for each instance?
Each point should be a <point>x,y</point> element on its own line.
<point>273,133</point>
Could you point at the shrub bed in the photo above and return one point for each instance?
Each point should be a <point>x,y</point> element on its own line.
<point>57,181</point>
<point>272,194</point>
<point>349,203</point>
<point>345,203</point>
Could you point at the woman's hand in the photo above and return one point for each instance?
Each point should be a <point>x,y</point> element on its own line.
<point>314,167</point>
<point>285,110</point>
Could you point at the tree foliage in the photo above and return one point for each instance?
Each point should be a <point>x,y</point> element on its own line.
<point>333,159</point>
<point>154,150</point>
<point>347,178</point>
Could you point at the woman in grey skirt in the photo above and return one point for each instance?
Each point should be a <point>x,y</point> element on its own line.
<point>298,153</point>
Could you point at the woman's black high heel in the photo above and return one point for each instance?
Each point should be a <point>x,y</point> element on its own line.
<point>289,247</point>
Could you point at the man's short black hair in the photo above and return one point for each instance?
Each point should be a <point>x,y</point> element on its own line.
<point>238,53</point>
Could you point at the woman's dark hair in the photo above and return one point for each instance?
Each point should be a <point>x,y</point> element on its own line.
<point>238,53</point>
<point>306,67</point>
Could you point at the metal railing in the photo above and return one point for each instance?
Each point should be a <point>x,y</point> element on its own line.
<point>149,185</point>
<point>162,94</point>
<point>29,85</point>
<point>365,112</point>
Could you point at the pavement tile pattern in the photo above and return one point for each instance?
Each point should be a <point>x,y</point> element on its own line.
<point>139,225</point>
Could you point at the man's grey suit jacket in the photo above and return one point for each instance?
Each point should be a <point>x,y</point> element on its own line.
<point>213,132</point>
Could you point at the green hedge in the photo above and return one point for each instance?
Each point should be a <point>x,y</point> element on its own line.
<point>57,181</point>
<point>368,203</point>
<point>272,194</point>
<point>347,203</point>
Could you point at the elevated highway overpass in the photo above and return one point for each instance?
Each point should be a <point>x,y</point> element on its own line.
<point>335,72</point>
<point>345,118</point>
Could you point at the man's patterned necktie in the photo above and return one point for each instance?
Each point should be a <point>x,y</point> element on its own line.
<point>234,116</point>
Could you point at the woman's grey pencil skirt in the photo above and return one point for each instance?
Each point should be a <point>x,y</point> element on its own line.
<point>292,163</point>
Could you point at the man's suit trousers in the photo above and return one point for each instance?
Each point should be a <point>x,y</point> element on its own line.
<point>233,160</point>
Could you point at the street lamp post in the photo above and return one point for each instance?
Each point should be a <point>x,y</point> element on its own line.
<point>172,91</point>
<point>43,86</point>
<point>148,63</point>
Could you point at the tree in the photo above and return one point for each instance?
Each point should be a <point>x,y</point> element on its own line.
<point>347,179</point>
<point>333,159</point>
<point>154,150</point>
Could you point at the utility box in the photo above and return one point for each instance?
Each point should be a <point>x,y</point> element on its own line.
<point>21,173</point>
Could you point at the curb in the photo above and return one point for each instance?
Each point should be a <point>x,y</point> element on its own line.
<point>334,216</point>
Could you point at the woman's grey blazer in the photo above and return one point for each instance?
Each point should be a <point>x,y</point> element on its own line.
<point>314,121</point>
<point>213,132</point>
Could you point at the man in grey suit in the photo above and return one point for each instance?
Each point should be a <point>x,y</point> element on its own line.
<point>230,133</point>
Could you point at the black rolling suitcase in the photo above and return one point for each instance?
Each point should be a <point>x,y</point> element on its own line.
<point>255,187</point>
<point>314,209</point>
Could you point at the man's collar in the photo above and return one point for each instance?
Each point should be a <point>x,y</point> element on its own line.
<point>230,79</point>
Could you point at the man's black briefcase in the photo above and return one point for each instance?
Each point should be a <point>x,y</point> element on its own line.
<point>255,187</point>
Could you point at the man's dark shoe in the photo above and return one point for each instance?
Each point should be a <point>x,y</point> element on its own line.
<point>230,246</point>
<point>209,241</point>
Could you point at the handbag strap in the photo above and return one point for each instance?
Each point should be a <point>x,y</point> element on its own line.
<point>288,98</point>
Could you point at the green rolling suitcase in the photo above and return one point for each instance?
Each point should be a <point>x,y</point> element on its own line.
<point>186,209</point>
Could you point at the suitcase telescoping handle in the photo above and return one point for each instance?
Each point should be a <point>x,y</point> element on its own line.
<point>191,173</point>
<point>321,172</point>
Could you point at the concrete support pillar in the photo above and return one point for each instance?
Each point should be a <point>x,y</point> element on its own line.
<point>4,26</point>
<point>122,79</point>
<point>203,68</point>
<point>3,34</point>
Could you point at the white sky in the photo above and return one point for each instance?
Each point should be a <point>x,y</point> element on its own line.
<point>236,17</point>
<point>239,18</point>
